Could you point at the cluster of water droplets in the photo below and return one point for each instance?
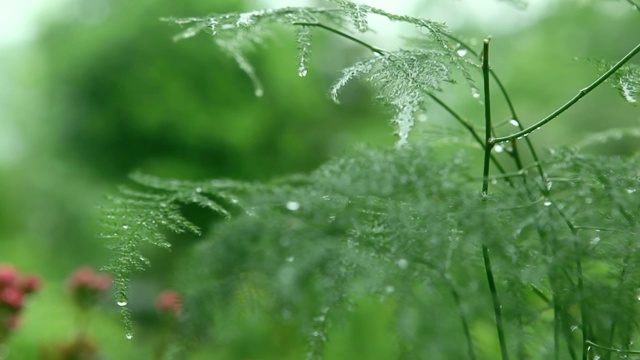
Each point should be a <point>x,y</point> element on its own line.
<point>304,43</point>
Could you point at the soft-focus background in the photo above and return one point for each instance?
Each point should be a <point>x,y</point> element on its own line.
<point>91,90</point>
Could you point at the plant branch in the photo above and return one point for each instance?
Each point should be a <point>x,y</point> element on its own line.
<point>582,93</point>
<point>447,108</point>
<point>512,109</point>
<point>634,4</point>
<point>620,351</point>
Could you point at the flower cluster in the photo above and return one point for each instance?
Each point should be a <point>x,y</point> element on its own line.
<point>88,286</point>
<point>14,290</point>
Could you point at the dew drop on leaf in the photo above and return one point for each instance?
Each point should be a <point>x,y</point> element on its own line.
<point>128,336</point>
<point>475,93</point>
<point>302,71</point>
<point>514,122</point>
<point>547,203</point>
<point>461,52</point>
<point>122,303</point>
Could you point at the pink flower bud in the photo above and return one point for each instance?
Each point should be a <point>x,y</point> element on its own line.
<point>12,296</point>
<point>170,302</point>
<point>8,275</point>
<point>31,284</point>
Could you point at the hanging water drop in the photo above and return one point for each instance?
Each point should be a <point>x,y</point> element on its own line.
<point>259,92</point>
<point>631,191</point>
<point>547,203</point>
<point>498,148</point>
<point>128,336</point>
<point>514,122</point>
<point>389,289</point>
<point>292,205</point>
<point>302,71</point>
<point>122,303</point>
<point>290,259</point>
<point>475,93</point>
<point>461,52</point>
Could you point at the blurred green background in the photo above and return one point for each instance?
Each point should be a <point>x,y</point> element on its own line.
<point>101,91</point>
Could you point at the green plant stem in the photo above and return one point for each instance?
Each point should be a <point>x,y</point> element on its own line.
<point>496,302</point>
<point>582,93</point>
<point>497,307</point>
<point>512,109</point>
<point>487,118</point>
<point>620,351</point>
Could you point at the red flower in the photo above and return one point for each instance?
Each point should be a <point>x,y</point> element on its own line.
<point>8,275</point>
<point>169,302</point>
<point>87,286</point>
<point>13,297</point>
<point>31,284</point>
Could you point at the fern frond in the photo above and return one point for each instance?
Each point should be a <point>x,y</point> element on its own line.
<point>239,33</point>
<point>140,216</point>
<point>401,79</point>
<point>626,80</point>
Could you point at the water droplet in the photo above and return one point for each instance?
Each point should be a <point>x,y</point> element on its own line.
<point>574,327</point>
<point>389,289</point>
<point>302,71</point>
<point>293,205</point>
<point>498,148</point>
<point>332,218</point>
<point>475,93</point>
<point>290,259</point>
<point>595,241</point>
<point>548,185</point>
<point>631,191</point>
<point>126,227</point>
<point>588,200</point>
<point>128,336</point>
<point>403,264</point>
<point>259,92</point>
<point>461,52</point>
<point>122,303</point>
<point>547,203</point>
<point>514,122</point>
<point>198,190</point>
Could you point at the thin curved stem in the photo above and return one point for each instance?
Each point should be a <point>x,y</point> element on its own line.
<point>634,4</point>
<point>582,93</point>
<point>342,34</point>
<point>620,351</point>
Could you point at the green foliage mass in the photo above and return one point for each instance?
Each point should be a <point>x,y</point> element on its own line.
<point>556,240</point>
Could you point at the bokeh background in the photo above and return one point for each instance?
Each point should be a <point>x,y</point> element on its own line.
<point>92,90</point>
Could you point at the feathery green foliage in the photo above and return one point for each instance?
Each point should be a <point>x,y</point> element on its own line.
<point>557,246</point>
